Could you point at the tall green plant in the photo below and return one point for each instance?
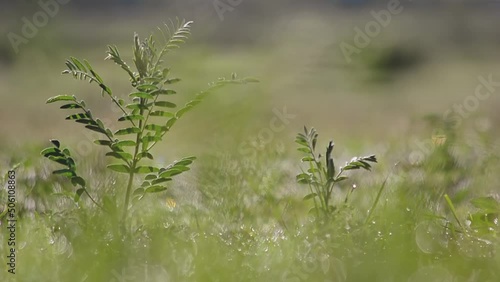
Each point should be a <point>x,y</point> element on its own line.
<point>321,174</point>
<point>147,115</point>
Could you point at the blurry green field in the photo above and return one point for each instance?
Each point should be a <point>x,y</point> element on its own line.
<point>238,215</point>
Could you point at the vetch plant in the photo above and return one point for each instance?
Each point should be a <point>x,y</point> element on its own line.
<point>321,174</point>
<point>147,115</point>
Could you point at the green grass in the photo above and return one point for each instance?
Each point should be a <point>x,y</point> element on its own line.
<point>241,216</point>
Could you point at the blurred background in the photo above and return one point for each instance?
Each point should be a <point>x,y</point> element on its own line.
<point>422,60</point>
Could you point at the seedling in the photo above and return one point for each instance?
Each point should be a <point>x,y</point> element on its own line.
<point>147,115</point>
<point>321,175</point>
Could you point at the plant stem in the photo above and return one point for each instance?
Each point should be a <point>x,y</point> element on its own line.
<point>454,212</point>
<point>92,199</point>
<point>375,203</point>
<point>132,168</point>
<point>129,189</point>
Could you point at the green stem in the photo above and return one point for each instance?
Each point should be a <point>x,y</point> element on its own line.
<point>454,212</point>
<point>329,188</point>
<point>132,168</point>
<point>314,200</point>
<point>129,189</point>
<point>92,199</point>
<point>379,194</point>
<point>348,195</point>
<point>323,192</point>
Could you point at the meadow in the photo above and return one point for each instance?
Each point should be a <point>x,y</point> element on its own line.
<point>427,210</point>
